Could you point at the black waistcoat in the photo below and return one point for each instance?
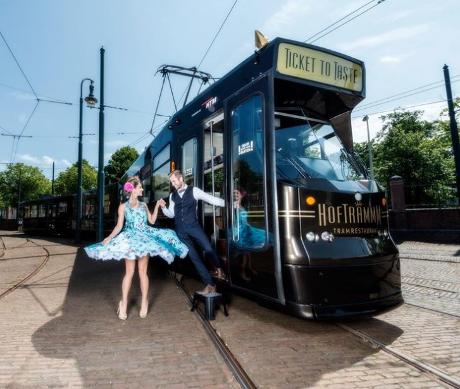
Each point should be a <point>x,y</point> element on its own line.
<point>185,208</point>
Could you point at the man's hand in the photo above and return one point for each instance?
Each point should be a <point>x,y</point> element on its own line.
<point>161,203</point>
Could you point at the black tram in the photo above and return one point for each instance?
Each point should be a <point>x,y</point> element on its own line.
<point>305,226</point>
<point>56,215</point>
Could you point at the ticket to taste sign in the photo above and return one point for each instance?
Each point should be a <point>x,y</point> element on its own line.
<point>314,65</point>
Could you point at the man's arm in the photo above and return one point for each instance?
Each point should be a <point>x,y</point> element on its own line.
<point>198,194</point>
<point>169,211</point>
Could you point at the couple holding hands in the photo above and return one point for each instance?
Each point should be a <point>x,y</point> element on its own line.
<point>133,239</point>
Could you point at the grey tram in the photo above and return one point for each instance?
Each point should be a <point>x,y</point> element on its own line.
<point>304,227</point>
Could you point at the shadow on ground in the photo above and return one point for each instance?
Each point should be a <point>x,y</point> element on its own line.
<point>106,349</point>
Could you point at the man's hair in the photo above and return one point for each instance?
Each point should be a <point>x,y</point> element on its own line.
<point>176,173</point>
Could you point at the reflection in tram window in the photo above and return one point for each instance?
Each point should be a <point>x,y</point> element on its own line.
<point>248,154</point>
<point>246,236</point>
<point>313,150</point>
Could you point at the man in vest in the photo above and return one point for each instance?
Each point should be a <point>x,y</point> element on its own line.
<point>182,207</point>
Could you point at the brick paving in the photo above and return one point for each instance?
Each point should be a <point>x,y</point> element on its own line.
<point>428,282</point>
<point>281,351</point>
<point>60,330</point>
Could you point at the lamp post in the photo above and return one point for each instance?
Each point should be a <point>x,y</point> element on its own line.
<point>369,147</point>
<point>100,167</point>
<point>91,100</point>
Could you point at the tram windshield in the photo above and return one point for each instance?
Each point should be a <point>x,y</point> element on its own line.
<point>306,149</point>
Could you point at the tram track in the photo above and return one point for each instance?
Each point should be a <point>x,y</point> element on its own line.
<point>230,360</point>
<point>31,274</point>
<point>431,370</point>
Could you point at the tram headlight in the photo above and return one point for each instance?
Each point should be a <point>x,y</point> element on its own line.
<point>328,237</point>
<point>312,237</point>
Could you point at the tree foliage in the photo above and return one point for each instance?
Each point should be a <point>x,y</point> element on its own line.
<point>417,150</point>
<point>20,182</point>
<point>119,163</point>
<point>66,182</point>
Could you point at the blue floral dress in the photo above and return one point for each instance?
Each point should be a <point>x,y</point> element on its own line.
<point>138,239</point>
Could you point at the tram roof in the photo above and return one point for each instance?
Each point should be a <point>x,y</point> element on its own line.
<point>264,61</point>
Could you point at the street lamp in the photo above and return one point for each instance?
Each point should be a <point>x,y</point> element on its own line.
<point>91,100</point>
<point>369,147</point>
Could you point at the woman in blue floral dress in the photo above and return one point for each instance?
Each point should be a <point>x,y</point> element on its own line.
<point>133,239</point>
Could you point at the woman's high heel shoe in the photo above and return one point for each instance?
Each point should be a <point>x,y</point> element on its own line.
<point>121,315</point>
<point>143,312</point>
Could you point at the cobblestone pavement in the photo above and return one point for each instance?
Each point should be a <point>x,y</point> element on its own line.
<point>431,276</point>
<point>281,351</point>
<point>60,330</point>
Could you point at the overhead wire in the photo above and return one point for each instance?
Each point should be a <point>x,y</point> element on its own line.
<point>217,33</point>
<point>396,108</point>
<point>19,66</point>
<point>212,42</point>
<point>309,40</point>
<point>400,96</point>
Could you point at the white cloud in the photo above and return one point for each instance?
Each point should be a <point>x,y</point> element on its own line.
<point>27,158</point>
<point>397,34</point>
<point>390,59</point>
<point>286,18</point>
<point>42,161</point>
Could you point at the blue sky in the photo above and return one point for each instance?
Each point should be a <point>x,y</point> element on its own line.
<point>404,45</point>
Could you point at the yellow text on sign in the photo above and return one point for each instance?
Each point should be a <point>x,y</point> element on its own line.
<point>310,64</point>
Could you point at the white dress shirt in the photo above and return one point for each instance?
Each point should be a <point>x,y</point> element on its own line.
<point>198,194</point>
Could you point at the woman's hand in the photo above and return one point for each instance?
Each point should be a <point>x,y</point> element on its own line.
<point>161,203</point>
<point>106,241</point>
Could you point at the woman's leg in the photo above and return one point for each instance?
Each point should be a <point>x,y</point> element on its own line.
<point>144,281</point>
<point>130,265</point>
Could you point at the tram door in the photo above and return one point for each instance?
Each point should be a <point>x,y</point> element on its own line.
<point>253,247</point>
<point>213,181</point>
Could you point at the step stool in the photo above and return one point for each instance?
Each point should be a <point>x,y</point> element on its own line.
<point>211,302</point>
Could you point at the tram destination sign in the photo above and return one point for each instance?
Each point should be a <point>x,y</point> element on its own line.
<point>315,65</point>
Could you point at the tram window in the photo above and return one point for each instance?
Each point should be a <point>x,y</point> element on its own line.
<point>213,160</point>
<point>42,210</point>
<point>160,175</point>
<point>313,150</point>
<point>162,157</point>
<point>161,182</point>
<point>34,211</point>
<point>106,204</point>
<point>249,230</point>
<point>189,159</point>
<point>62,207</point>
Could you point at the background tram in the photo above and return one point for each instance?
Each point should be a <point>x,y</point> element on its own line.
<point>304,226</point>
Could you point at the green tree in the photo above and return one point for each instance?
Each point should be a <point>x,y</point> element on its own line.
<point>22,182</point>
<point>66,182</point>
<point>417,150</point>
<point>119,163</point>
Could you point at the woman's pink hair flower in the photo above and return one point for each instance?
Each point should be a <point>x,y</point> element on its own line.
<point>128,187</point>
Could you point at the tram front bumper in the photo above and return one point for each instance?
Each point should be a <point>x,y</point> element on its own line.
<point>341,291</point>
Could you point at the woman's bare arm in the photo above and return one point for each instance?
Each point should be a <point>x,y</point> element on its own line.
<point>119,226</point>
